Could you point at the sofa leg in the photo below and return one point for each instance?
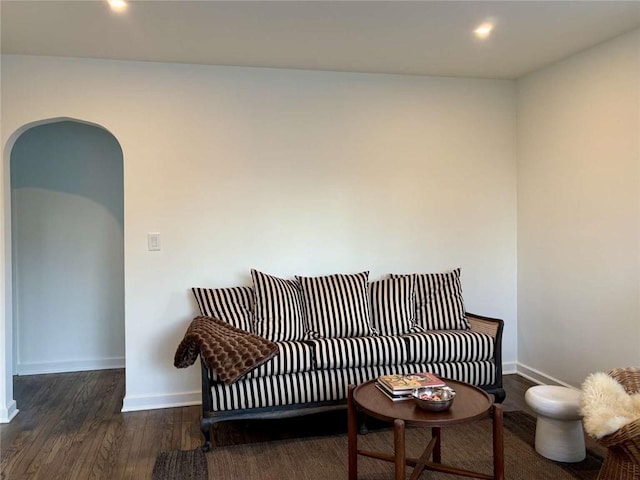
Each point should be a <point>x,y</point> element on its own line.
<point>205,428</point>
<point>499,395</point>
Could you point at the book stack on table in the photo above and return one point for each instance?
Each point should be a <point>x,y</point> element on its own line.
<point>399,387</point>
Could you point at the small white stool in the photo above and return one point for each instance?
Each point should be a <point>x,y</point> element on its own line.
<point>559,434</point>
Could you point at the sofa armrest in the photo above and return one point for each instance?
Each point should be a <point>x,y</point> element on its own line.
<point>486,325</point>
<point>492,327</point>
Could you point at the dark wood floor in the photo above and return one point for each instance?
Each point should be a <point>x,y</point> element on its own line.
<point>70,427</point>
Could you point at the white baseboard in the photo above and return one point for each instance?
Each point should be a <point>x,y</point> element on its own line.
<point>69,366</point>
<point>539,377</point>
<point>134,403</point>
<point>509,368</point>
<point>7,413</point>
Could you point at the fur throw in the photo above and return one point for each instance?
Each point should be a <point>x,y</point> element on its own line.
<point>606,406</point>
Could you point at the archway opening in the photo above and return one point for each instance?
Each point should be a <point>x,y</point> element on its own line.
<point>67,248</point>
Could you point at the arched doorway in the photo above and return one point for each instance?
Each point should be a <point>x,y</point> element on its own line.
<point>67,248</point>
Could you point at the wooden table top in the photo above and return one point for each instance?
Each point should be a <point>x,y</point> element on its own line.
<point>470,403</point>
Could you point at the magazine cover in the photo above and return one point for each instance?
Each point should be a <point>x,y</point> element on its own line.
<point>403,383</point>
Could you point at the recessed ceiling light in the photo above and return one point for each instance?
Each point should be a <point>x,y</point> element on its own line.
<point>118,5</point>
<point>483,30</point>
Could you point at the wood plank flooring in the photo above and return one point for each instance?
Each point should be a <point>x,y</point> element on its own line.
<point>70,427</point>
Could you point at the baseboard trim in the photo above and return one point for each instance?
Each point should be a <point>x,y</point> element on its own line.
<point>7,414</point>
<point>509,368</point>
<point>70,366</point>
<point>539,377</point>
<point>135,403</point>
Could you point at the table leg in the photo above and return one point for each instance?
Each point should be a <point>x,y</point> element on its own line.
<point>352,426</point>
<point>437,451</point>
<point>498,443</point>
<point>399,448</point>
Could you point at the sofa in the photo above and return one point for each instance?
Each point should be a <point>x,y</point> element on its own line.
<point>292,346</point>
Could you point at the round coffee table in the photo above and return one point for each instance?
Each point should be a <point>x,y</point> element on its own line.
<point>471,403</point>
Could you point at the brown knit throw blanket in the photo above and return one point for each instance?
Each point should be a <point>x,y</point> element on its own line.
<point>229,351</point>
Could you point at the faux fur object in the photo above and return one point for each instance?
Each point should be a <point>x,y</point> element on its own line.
<point>229,351</point>
<point>606,406</point>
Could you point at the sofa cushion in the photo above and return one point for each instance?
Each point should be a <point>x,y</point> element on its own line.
<point>337,305</point>
<point>448,346</point>
<point>293,357</point>
<point>279,311</point>
<point>296,388</point>
<point>392,303</point>
<point>359,351</point>
<point>475,373</point>
<point>439,302</point>
<point>231,305</point>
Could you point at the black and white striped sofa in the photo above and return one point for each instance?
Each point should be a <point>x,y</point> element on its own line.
<point>338,330</point>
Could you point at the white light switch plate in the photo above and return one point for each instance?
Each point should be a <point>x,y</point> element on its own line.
<point>153,242</point>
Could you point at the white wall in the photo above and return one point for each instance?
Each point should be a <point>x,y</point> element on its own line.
<point>291,172</point>
<point>68,249</point>
<point>579,214</point>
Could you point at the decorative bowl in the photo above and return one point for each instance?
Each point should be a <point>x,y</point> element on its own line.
<point>434,399</point>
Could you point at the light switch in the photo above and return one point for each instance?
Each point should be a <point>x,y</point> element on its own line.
<point>153,242</point>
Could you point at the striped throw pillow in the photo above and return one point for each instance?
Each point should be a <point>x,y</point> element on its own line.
<point>336,306</point>
<point>392,303</point>
<point>231,305</point>
<point>279,310</point>
<point>439,303</point>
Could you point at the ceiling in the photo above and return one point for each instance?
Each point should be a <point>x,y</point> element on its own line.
<point>395,36</point>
